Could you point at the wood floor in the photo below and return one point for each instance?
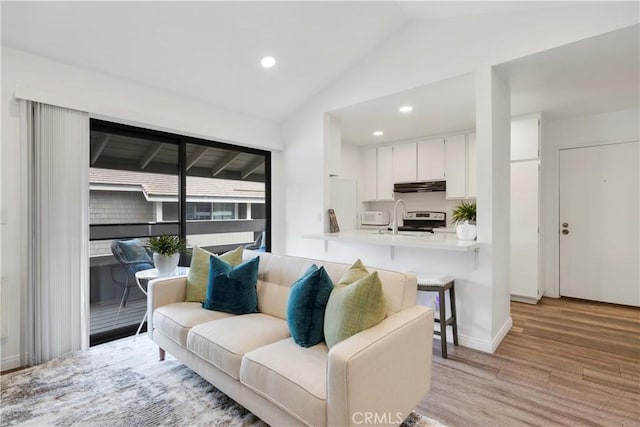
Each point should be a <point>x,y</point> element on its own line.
<point>565,362</point>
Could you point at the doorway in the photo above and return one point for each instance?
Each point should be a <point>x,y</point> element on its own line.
<point>599,216</point>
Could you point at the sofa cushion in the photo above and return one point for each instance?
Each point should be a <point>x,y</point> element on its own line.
<point>354,307</point>
<point>273,298</point>
<point>198,276</point>
<point>223,342</point>
<point>400,289</point>
<point>292,377</point>
<point>306,306</point>
<point>175,320</point>
<point>232,289</point>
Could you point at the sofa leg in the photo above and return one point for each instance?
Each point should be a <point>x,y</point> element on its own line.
<point>161,353</point>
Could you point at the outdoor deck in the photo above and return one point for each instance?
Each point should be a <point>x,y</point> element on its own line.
<point>107,315</point>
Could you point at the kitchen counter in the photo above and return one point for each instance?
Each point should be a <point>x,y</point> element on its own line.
<point>442,241</point>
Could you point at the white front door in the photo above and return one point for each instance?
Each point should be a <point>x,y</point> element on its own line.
<point>599,215</point>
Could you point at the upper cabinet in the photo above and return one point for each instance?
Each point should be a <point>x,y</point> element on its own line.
<point>370,174</point>
<point>430,160</point>
<point>525,138</point>
<point>472,167</point>
<point>404,162</point>
<point>378,174</point>
<point>385,173</point>
<point>455,166</point>
<point>422,161</point>
<point>460,166</point>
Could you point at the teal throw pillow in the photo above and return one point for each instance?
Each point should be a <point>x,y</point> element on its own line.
<point>134,250</point>
<point>307,302</point>
<point>232,289</point>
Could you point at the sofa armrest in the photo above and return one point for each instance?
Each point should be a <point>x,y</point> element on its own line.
<point>163,291</point>
<point>379,375</point>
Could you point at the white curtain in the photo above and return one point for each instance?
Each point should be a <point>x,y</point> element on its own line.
<point>56,153</point>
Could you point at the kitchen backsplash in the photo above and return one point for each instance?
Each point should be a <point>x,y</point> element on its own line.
<point>417,202</point>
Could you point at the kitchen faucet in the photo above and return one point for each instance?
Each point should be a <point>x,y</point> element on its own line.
<point>394,224</point>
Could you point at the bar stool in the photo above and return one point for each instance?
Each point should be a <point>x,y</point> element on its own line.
<point>440,285</point>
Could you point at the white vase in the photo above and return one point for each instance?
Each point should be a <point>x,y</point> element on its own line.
<point>466,231</point>
<point>166,264</point>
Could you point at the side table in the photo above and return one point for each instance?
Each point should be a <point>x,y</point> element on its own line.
<point>153,273</point>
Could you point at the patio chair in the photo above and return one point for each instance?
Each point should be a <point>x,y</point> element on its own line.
<point>258,244</point>
<point>132,257</point>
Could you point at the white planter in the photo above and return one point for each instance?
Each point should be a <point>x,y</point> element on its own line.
<point>466,231</point>
<point>166,264</point>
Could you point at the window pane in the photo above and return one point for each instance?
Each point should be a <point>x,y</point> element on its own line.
<point>225,198</point>
<point>131,179</point>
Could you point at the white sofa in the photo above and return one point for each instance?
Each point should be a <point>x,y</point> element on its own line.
<point>374,377</point>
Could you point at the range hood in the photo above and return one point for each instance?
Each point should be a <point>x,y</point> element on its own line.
<point>420,187</point>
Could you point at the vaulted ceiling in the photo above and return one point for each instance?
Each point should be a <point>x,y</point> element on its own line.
<point>210,51</point>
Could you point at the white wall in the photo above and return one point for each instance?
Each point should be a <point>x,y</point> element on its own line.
<point>604,128</point>
<point>107,98</point>
<point>423,53</point>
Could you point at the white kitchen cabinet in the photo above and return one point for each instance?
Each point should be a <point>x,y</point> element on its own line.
<point>525,210</point>
<point>377,174</point>
<point>524,271</point>
<point>385,173</point>
<point>370,171</point>
<point>430,155</point>
<point>455,166</point>
<point>525,138</point>
<point>472,167</point>
<point>404,162</point>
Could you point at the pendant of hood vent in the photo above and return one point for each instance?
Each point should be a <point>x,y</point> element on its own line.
<point>420,187</point>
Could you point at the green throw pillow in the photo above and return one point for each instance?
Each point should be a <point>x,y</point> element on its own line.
<point>354,306</point>
<point>356,272</point>
<point>232,289</point>
<point>198,276</point>
<point>306,306</point>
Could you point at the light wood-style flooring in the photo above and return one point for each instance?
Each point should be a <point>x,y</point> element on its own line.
<point>565,362</point>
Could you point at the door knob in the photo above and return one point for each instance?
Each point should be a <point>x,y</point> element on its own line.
<point>565,225</point>
<point>565,231</point>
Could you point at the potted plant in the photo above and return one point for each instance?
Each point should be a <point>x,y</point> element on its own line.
<point>464,217</point>
<point>166,250</point>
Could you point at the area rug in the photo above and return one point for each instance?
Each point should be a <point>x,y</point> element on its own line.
<point>122,383</point>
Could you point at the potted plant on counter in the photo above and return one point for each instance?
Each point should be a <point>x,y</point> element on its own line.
<point>166,251</point>
<point>464,217</point>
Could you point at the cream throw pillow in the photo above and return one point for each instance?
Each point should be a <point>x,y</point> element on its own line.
<point>198,276</point>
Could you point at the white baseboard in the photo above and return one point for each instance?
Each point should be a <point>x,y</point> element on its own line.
<point>474,343</point>
<point>526,300</point>
<point>484,345</point>
<point>501,334</point>
<point>10,362</point>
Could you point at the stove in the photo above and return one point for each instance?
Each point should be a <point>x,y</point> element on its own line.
<point>424,221</point>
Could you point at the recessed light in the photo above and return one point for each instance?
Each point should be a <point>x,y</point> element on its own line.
<point>406,109</point>
<point>268,61</point>
<point>378,133</point>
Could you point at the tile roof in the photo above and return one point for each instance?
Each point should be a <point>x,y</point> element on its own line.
<point>154,184</point>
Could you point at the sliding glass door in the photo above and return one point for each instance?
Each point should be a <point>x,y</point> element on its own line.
<point>145,183</point>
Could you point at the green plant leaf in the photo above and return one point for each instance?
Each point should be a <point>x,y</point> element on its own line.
<point>465,211</point>
<point>167,244</point>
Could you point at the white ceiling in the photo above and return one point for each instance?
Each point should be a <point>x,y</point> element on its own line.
<point>210,50</point>
<point>592,76</point>
<point>438,108</point>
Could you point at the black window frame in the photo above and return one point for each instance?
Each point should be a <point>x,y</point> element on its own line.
<point>115,231</point>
